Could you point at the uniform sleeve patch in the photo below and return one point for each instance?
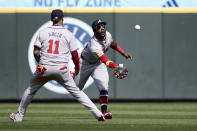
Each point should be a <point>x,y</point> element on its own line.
<point>98,54</point>
<point>35,41</point>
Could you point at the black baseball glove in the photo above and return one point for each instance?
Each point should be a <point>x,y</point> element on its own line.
<point>120,72</point>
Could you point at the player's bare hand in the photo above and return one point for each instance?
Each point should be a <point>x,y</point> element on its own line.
<point>128,56</point>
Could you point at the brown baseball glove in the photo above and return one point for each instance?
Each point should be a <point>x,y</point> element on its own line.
<point>120,72</point>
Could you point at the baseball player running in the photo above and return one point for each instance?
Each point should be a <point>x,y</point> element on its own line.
<point>94,62</point>
<point>51,51</point>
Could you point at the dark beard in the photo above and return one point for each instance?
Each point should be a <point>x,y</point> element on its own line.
<point>100,37</point>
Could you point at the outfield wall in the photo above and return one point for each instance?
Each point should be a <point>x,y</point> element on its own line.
<point>164,53</point>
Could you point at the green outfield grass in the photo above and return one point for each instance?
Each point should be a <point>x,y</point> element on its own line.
<point>126,117</point>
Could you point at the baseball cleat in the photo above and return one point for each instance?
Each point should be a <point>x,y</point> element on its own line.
<point>101,118</point>
<point>16,117</point>
<point>107,115</point>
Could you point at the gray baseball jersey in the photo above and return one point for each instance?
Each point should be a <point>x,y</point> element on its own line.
<point>92,66</point>
<point>55,42</point>
<point>95,48</point>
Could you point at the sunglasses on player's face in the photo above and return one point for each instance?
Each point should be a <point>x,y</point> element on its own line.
<point>100,26</point>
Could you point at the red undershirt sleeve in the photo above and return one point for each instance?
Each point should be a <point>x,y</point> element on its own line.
<point>121,51</point>
<point>75,58</point>
<point>107,62</point>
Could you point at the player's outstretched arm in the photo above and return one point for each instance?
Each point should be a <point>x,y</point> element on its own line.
<point>116,47</point>
<point>107,62</point>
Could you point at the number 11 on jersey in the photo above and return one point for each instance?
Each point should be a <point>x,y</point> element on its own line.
<point>51,42</point>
